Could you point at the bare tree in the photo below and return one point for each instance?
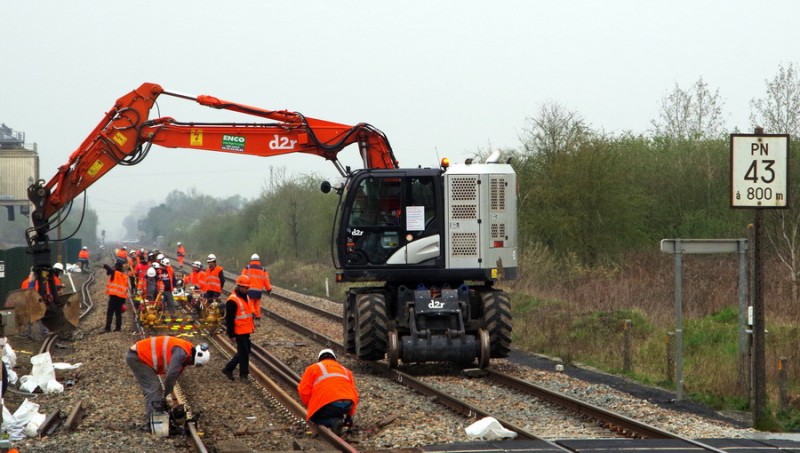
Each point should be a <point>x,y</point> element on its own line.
<point>779,111</point>
<point>690,114</point>
<point>554,130</point>
<point>782,232</point>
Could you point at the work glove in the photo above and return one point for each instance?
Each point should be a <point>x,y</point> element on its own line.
<point>348,421</point>
<point>107,267</point>
<point>269,292</point>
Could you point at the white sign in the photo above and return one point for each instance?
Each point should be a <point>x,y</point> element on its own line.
<point>415,218</point>
<point>759,171</point>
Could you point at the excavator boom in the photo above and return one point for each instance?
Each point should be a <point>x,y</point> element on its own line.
<point>124,136</point>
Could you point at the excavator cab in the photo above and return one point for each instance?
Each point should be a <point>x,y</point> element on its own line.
<point>390,223</point>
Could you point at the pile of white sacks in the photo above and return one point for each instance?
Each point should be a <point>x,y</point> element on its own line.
<point>25,421</point>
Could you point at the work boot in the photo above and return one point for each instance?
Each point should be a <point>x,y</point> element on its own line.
<point>244,379</point>
<point>228,374</point>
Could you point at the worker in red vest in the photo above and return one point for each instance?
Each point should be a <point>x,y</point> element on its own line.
<point>328,390</point>
<point>117,290</point>
<point>166,356</point>
<point>83,258</point>
<point>259,284</point>
<point>239,325</point>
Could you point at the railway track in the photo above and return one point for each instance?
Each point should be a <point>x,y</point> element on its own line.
<point>614,424</point>
<point>599,422</point>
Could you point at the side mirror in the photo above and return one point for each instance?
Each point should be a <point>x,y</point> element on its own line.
<point>325,187</point>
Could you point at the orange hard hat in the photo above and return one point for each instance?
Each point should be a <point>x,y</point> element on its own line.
<point>243,280</point>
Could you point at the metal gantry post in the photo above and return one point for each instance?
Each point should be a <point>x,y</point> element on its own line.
<point>678,323</point>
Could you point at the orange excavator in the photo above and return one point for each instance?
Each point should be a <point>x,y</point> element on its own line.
<point>438,238</point>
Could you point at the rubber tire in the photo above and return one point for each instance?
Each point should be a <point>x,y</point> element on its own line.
<point>497,321</point>
<point>371,332</point>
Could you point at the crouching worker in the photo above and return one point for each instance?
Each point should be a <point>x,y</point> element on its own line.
<point>166,356</point>
<point>329,392</point>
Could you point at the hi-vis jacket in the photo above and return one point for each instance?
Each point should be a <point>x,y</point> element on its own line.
<point>259,278</point>
<point>117,285</point>
<point>83,254</point>
<point>213,280</point>
<point>242,322</point>
<point>325,382</point>
<point>158,354</point>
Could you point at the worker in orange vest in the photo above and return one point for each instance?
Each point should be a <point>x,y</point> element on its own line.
<point>259,283</point>
<point>215,279</point>
<point>239,325</point>
<point>122,254</point>
<point>328,390</point>
<point>181,253</point>
<point>166,356</point>
<point>195,280</point>
<point>83,258</point>
<point>117,290</point>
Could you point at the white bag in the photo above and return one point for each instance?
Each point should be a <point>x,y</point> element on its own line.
<point>488,428</point>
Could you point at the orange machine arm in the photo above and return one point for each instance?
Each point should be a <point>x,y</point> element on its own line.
<point>124,134</point>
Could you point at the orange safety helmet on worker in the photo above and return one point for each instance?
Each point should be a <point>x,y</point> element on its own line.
<point>325,382</point>
<point>243,322</point>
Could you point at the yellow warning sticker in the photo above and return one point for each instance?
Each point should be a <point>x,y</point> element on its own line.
<point>96,166</point>
<point>196,137</point>
<point>120,138</point>
<point>494,273</point>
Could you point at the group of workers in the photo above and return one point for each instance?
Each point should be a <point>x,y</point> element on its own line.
<point>327,388</point>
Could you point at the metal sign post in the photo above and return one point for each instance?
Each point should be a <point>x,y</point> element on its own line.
<point>678,247</point>
<point>759,179</point>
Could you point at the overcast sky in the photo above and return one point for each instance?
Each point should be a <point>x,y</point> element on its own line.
<point>446,77</point>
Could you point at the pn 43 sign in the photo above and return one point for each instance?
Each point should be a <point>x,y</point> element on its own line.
<point>759,170</point>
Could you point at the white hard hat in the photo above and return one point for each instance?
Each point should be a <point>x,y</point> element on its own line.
<point>326,352</point>
<point>85,248</point>
<point>211,258</point>
<point>58,266</point>
<point>156,266</point>
<point>160,256</point>
<point>201,354</point>
<point>179,243</point>
<point>124,248</point>
<point>255,257</point>
<point>197,264</point>
<point>151,272</point>
<point>165,261</point>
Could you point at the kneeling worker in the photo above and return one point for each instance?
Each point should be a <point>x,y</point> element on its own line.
<point>329,392</point>
<point>162,355</point>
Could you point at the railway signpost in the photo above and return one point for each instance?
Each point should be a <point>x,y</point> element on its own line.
<point>759,180</point>
<point>678,247</point>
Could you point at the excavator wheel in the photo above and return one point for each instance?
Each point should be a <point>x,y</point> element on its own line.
<point>371,334</point>
<point>497,321</point>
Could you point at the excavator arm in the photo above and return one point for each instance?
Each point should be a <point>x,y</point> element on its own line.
<point>125,133</point>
